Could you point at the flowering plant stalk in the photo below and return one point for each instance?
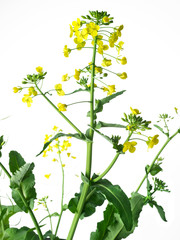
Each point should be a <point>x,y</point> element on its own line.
<point>95,34</point>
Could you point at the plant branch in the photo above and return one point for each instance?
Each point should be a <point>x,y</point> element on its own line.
<point>160,151</point>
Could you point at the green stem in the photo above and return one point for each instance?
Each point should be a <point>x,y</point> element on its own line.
<point>91,131</point>
<point>79,210</point>
<point>62,115</point>
<point>84,193</point>
<point>112,162</point>
<point>32,215</point>
<point>160,151</point>
<point>78,102</point>
<point>62,194</point>
<point>27,206</point>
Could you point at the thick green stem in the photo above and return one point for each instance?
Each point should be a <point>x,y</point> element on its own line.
<point>84,193</point>
<point>91,131</point>
<point>62,115</point>
<point>79,210</point>
<point>156,157</point>
<point>27,206</point>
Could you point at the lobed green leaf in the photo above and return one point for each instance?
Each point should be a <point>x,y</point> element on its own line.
<point>15,161</point>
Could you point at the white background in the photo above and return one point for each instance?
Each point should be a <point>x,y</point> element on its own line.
<point>33,33</point>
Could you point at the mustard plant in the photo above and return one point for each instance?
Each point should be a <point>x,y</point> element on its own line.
<point>96,34</point>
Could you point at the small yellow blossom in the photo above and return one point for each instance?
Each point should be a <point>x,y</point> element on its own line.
<point>32,91</point>
<point>66,51</point>
<point>50,148</point>
<point>77,74</point>
<point>47,175</point>
<point>92,29</point>
<point>110,89</point>
<point>105,19</point>
<point>27,99</point>
<point>65,77</point>
<point>62,107</point>
<point>81,45</point>
<point>119,47</point>
<point>71,31</point>
<point>152,141</point>
<point>98,70</point>
<point>68,154</point>
<point>55,128</point>
<point>135,111</point>
<point>39,69</point>
<point>122,75</point>
<point>89,85</point>
<point>73,157</point>
<point>129,146</point>
<point>17,89</point>
<point>123,60</point>
<point>45,153</point>
<point>55,160</point>
<point>59,90</point>
<point>66,145</point>
<point>47,138</point>
<point>106,62</point>
<point>76,24</point>
<point>63,165</point>
<point>35,209</point>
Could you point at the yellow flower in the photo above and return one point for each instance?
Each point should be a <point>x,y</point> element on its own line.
<point>129,146</point>
<point>32,91</point>
<point>63,165</point>
<point>122,75</point>
<point>81,45</point>
<point>27,99</point>
<point>76,24</point>
<point>65,77</point>
<point>77,74</point>
<point>110,89</point>
<point>152,141</point>
<point>135,111</point>
<point>71,31</point>
<point>39,69</point>
<point>45,153</point>
<point>17,89</point>
<point>123,60</point>
<point>55,160</point>
<point>105,19</point>
<point>98,69</point>
<point>113,38</point>
<point>66,51</point>
<point>92,29</point>
<point>47,175</point>
<point>65,145</point>
<point>47,138</point>
<point>68,154</point>
<point>59,90</point>
<point>102,48</point>
<point>84,33</point>
<point>73,157</point>
<point>55,128</point>
<point>62,107</point>
<point>106,62</point>
<point>119,47</point>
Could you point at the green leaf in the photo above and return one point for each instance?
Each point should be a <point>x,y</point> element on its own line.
<point>155,169</point>
<point>58,135</point>
<point>23,233</point>
<point>102,227</point>
<point>20,174</point>
<point>23,181</point>
<point>6,212</point>
<point>78,90</point>
<point>1,144</point>
<point>94,199</point>
<point>118,198</point>
<point>159,209</point>
<point>103,124</point>
<point>100,102</point>
<point>161,129</point>
<point>15,161</point>
<point>49,234</point>
<point>112,227</point>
